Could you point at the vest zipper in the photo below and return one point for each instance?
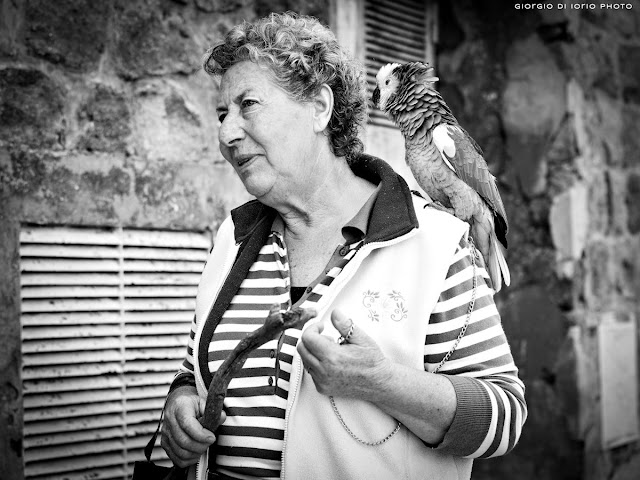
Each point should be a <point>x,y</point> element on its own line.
<point>199,382</point>
<point>335,291</point>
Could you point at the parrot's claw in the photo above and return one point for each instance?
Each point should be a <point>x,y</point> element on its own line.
<point>439,206</point>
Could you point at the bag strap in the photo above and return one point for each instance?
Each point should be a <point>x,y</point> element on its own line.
<point>149,448</point>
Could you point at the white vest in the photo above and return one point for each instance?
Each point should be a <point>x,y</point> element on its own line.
<point>389,289</point>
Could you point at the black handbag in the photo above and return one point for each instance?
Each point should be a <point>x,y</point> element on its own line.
<point>147,470</point>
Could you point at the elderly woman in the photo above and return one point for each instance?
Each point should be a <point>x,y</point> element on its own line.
<point>423,379</point>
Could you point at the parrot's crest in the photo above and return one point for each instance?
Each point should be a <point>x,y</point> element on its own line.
<point>385,71</point>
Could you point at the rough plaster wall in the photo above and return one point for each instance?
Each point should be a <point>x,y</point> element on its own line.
<point>106,119</point>
<point>553,98</point>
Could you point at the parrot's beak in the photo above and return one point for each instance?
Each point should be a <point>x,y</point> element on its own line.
<point>375,98</point>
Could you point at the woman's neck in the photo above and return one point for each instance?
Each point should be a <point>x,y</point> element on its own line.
<point>327,202</point>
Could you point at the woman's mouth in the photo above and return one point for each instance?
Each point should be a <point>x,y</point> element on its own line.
<point>241,161</point>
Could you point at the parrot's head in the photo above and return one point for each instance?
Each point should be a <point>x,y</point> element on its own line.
<point>393,78</point>
<point>386,85</point>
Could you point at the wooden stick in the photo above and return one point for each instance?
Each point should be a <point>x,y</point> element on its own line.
<point>273,326</point>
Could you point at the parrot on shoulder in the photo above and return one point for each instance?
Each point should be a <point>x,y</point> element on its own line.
<point>445,161</point>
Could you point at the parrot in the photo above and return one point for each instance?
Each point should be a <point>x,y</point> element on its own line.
<point>445,160</point>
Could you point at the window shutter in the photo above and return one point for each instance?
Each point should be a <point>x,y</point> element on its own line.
<point>396,31</point>
<point>106,314</point>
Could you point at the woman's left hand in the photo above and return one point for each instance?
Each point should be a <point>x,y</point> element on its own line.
<point>356,368</point>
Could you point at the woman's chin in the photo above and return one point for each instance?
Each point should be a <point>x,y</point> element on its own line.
<point>256,186</point>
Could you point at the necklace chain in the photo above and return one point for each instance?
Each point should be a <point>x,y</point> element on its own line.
<point>442,362</point>
<point>354,436</point>
<point>469,310</point>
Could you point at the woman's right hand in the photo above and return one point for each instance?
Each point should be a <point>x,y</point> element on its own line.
<point>183,437</point>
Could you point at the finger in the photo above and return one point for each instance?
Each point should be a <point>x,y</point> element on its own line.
<point>200,415</point>
<point>315,327</point>
<point>343,324</point>
<point>180,456</point>
<point>317,345</point>
<point>180,438</point>
<point>308,360</point>
<point>196,432</point>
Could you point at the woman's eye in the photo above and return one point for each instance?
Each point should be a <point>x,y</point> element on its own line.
<point>221,117</point>
<point>248,103</point>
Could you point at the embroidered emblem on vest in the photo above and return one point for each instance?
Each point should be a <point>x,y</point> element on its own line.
<point>390,305</point>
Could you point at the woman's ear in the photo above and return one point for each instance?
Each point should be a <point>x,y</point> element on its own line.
<point>322,108</point>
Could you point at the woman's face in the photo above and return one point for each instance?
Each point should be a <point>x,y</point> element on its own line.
<point>266,136</point>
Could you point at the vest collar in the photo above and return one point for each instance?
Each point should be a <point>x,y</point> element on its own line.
<point>393,214</point>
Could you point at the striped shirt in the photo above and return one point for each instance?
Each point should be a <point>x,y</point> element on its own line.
<point>482,362</point>
<point>249,443</point>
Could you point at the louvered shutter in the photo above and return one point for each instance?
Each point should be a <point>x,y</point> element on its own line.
<point>396,31</point>
<point>105,319</point>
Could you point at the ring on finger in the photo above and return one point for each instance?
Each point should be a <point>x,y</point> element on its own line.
<point>345,339</point>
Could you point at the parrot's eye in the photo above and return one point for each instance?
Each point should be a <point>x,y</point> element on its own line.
<point>386,82</point>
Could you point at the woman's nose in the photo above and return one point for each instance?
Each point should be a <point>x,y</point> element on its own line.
<point>231,131</point>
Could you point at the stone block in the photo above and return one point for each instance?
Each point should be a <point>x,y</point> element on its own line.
<point>221,6</point>
<point>533,107</point>
<point>630,136</point>
<point>617,181</point>
<point>536,330</point>
<point>101,196</point>
<point>55,200</point>
<point>621,22</point>
<point>591,60</point>
<point>599,288</point>
<point>104,118</point>
<point>31,109</point>
<point>632,201</point>
<point>627,267</point>
<point>559,159</point>
<point>150,44</point>
<point>629,61</point>
<point>169,125</point>
<point>11,29</point>
<point>72,33</point>
<point>176,107</point>
<point>617,362</point>
<point>116,182</point>
<point>600,204</point>
<point>628,470</point>
<point>186,196</point>
<point>569,220</point>
<point>609,111</point>
<point>527,152</point>
<point>76,189</point>
<point>450,32</point>
<point>26,171</point>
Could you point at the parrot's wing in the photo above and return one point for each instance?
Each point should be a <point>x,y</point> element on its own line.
<point>463,155</point>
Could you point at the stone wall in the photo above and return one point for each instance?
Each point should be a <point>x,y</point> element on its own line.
<point>552,97</point>
<point>105,119</point>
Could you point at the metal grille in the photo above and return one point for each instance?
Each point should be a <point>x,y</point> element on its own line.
<point>396,31</point>
<point>105,319</point>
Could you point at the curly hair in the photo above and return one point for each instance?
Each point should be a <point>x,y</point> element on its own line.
<point>302,55</point>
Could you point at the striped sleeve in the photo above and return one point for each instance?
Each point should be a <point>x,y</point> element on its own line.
<point>185,375</point>
<point>491,407</point>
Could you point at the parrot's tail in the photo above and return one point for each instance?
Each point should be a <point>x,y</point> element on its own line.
<point>497,264</point>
